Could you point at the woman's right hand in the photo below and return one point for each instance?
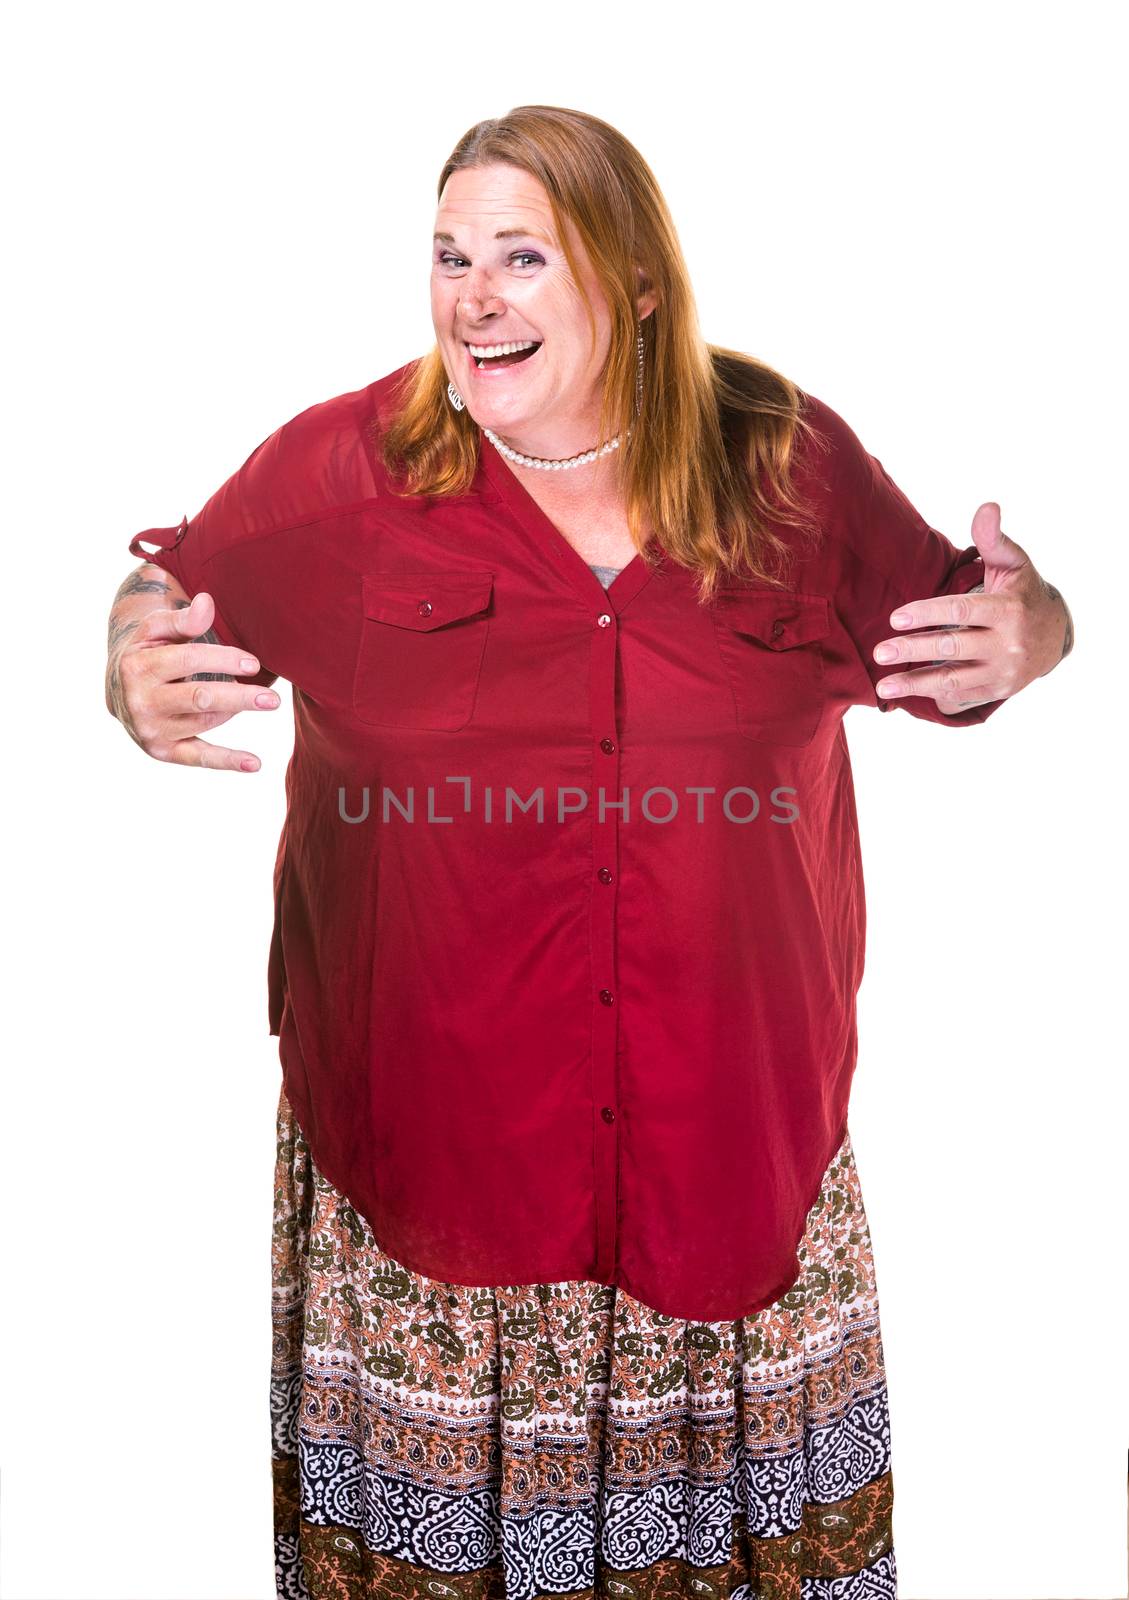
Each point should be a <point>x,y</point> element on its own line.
<point>166,684</point>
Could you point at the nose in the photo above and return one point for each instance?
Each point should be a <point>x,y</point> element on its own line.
<point>478,299</point>
<point>473,310</point>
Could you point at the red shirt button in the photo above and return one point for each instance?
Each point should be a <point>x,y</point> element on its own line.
<point>604,875</point>
<point>606,997</point>
<point>424,608</point>
<point>777,629</point>
<point>607,746</point>
<point>607,1113</point>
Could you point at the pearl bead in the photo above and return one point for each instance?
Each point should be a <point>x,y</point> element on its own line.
<point>555,466</point>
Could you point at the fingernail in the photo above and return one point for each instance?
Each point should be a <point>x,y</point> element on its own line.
<point>885,652</point>
<point>249,664</point>
<point>249,764</point>
<point>266,698</point>
<point>900,619</point>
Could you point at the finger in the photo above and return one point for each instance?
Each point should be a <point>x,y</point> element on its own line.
<point>998,550</point>
<point>180,621</point>
<point>171,662</point>
<point>196,752</point>
<point>944,645</point>
<point>207,699</point>
<point>947,610</point>
<point>947,682</point>
<point>191,620</point>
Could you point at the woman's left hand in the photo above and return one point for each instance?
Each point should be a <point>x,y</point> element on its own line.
<point>990,645</point>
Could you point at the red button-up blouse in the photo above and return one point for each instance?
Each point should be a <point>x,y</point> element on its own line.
<point>569,901</point>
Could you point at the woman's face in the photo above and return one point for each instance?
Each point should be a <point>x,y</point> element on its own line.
<point>487,290</point>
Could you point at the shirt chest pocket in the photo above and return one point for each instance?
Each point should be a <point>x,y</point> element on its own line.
<point>771,649</point>
<point>420,653</point>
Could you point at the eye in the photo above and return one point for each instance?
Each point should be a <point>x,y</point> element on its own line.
<point>448,260</point>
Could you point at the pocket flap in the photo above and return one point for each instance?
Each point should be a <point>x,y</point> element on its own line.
<point>425,600</point>
<point>778,619</point>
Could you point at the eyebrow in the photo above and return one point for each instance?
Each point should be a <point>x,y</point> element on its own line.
<point>504,233</point>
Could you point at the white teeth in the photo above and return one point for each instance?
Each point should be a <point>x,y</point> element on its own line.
<point>482,352</point>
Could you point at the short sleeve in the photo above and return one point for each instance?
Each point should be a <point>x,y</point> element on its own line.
<point>890,556</point>
<point>192,551</point>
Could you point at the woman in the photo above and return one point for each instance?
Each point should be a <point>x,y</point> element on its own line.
<point>573,1287</point>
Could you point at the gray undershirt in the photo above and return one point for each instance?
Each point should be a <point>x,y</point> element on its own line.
<point>606,574</point>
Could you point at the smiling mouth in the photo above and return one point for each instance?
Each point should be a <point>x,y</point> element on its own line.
<point>496,363</point>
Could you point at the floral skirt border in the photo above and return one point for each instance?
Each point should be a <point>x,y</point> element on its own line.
<point>562,1439</point>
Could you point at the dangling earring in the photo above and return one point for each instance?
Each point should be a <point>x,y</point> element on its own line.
<point>454,397</point>
<point>639,370</point>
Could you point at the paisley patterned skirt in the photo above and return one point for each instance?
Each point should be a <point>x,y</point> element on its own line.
<point>562,1439</point>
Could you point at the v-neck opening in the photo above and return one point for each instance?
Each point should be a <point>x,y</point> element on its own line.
<point>626,583</point>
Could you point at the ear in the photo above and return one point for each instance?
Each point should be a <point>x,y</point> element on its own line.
<point>647,299</point>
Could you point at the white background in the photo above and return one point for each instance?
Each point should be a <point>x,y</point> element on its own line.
<point>220,215</point>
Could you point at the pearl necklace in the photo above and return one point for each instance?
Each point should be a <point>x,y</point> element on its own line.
<point>556,466</point>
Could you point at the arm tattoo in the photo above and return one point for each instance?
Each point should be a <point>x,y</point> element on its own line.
<point>147,579</point>
<point>136,584</point>
<point>118,632</point>
<point>1068,640</point>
